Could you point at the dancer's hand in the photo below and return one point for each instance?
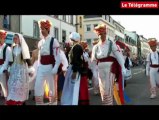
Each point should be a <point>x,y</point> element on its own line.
<point>64,73</point>
<point>54,71</point>
<point>31,70</point>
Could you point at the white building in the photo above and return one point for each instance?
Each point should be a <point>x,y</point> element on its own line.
<point>119,31</point>
<point>62,25</point>
<point>145,48</point>
<point>91,21</point>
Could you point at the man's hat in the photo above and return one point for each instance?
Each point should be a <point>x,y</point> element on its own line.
<point>101,28</point>
<point>152,42</point>
<point>45,23</point>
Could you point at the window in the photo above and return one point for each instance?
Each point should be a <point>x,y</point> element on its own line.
<point>80,22</point>
<point>110,32</point>
<point>88,27</point>
<point>6,22</point>
<point>63,35</point>
<point>71,19</point>
<point>121,31</point>
<point>107,17</point>
<point>116,27</point>
<point>111,20</point>
<point>127,39</point>
<point>56,33</point>
<point>64,18</point>
<point>36,31</point>
<point>80,37</point>
<point>56,16</point>
<point>92,16</point>
<point>95,25</point>
<point>89,42</point>
<point>107,29</point>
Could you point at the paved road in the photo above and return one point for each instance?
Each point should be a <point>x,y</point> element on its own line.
<point>137,89</point>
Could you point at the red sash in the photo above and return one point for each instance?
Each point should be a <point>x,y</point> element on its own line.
<point>47,59</point>
<point>1,61</point>
<point>154,66</point>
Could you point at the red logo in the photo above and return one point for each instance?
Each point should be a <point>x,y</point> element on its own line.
<point>138,5</point>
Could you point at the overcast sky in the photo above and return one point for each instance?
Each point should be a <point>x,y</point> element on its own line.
<point>146,25</point>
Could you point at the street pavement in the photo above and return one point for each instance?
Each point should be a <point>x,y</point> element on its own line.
<point>138,89</point>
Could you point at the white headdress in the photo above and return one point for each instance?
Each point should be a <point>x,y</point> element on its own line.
<point>24,46</point>
<point>75,36</point>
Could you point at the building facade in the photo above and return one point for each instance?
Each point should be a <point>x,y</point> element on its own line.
<point>62,26</point>
<point>91,21</point>
<point>131,41</point>
<point>145,48</point>
<point>11,24</point>
<point>80,26</point>
<point>119,31</point>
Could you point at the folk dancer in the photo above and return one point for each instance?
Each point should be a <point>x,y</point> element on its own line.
<point>152,67</point>
<point>20,70</point>
<point>48,65</point>
<point>75,90</point>
<point>108,57</point>
<point>5,52</point>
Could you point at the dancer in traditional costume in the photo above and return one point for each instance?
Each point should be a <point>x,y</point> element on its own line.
<point>110,65</point>
<point>48,65</point>
<point>75,90</point>
<point>20,70</point>
<point>5,52</point>
<point>152,67</point>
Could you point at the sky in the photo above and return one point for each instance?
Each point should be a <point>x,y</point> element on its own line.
<point>146,25</point>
